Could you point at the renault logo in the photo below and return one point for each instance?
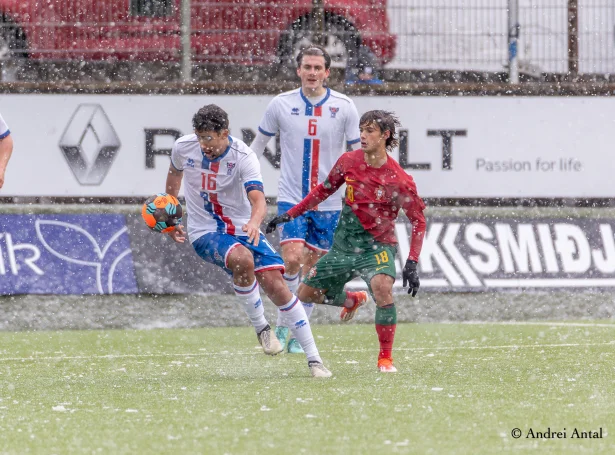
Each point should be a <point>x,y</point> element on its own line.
<point>89,144</point>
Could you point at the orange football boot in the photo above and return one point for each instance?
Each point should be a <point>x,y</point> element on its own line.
<point>360,298</point>
<point>386,365</point>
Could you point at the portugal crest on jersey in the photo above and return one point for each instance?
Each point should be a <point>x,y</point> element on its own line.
<point>379,193</point>
<point>229,168</point>
<point>334,111</point>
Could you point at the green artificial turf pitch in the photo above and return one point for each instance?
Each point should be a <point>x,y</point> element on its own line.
<point>461,388</point>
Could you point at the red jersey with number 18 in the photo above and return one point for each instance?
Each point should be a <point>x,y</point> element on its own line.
<point>373,198</point>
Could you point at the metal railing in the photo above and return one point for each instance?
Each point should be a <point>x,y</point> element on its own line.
<point>472,35</point>
<point>554,36</point>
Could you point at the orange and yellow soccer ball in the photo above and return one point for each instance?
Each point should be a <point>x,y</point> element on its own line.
<point>162,212</point>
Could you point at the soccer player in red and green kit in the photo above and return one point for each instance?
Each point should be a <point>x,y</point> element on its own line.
<point>364,243</point>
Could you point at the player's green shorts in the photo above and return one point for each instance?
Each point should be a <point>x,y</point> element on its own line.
<point>336,268</point>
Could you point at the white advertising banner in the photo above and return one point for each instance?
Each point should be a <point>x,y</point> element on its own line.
<point>466,254</point>
<point>466,147</point>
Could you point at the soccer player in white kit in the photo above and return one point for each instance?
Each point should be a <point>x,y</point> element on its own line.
<point>6,148</point>
<point>316,125</point>
<point>223,188</point>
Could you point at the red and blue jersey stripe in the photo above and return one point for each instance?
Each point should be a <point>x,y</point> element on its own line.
<point>212,206</point>
<point>311,156</point>
<point>311,148</point>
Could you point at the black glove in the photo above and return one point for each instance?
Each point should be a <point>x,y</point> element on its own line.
<point>411,277</point>
<point>283,218</point>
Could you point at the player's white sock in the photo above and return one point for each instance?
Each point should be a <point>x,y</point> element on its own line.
<point>308,307</point>
<point>252,304</point>
<point>292,281</point>
<point>295,318</point>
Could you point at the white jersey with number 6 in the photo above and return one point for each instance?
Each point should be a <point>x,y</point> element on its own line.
<point>216,191</point>
<point>311,139</point>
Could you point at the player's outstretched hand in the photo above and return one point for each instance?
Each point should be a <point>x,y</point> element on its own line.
<point>411,277</point>
<point>178,234</point>
<point>283,218</point>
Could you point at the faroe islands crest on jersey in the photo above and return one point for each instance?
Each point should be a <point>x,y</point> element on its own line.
<point>312,138</point>
<point>216,190</point>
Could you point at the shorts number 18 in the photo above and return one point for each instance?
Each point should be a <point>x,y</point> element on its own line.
<point>382,257</point>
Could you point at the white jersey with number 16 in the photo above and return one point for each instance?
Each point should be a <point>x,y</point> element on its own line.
<point>216,191</point>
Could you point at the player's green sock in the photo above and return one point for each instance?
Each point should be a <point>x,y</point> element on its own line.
<point>386,323</point>
<point>386,315</point>
<point>336,299</point>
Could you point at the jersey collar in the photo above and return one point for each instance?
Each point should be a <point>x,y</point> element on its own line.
<point>386,164</point>
<point>309,107</point>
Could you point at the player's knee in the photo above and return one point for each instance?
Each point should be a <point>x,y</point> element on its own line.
<point>383,297</point>
<point>275,287</point>
<point>241,261</point>
<point>293,254</point>
<point>382,290</point>
<point>292,260</point>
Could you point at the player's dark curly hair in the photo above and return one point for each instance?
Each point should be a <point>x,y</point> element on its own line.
<point>315,50</point>
<point>210,118</point>
<point>386,121</point>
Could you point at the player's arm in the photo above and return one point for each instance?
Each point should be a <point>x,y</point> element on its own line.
<point>413,206</point>
<point>250,174</point>
<point>174,180</point>
<point>334,180</point>
<point>351,130</point>
<point>267,128</point>
<point>259,210</point>
<point>174,183</point>
<point>417,219</point>
<point>6,149</point>
<point>260,143</point>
